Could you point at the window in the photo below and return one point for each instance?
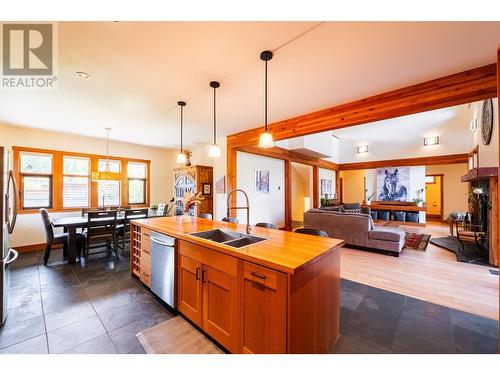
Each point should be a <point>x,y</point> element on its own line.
<point>136,173</point>
<point>62,180</point>
<point>36,180</point>
<point>76,172</point>
<point>430,179</point>
<point>108,192</point>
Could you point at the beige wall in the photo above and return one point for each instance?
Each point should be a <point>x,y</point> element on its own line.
<point>301,188</point>
<point>353,185</point>
<point>29,228</point>
<point>455,191</point>
<point>488,154</point>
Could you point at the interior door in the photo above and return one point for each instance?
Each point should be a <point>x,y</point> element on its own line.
<point>219,306</point>
<point>190,289</point>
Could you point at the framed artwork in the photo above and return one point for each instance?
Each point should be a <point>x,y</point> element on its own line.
<point>207,189</point>
<point>262,182</point>
<point>393,184</point>
<point>220,184</point>
<point>326,186</point>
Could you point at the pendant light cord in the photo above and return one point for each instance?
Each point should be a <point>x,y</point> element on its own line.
<point>215,127</point>
<point>265,96</point>
<point>181,126</point>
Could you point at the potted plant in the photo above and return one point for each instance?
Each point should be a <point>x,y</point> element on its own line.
<point>418,200</point>
<point>189,201</point>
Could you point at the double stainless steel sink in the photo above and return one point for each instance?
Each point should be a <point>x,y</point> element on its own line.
<point>229,238</point>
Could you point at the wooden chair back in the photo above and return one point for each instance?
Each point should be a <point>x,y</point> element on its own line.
<point>314,232</point>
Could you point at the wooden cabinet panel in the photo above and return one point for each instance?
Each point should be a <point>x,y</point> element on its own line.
<point>262,317</point>
<point>190,289</point>
<point>214,259</point>
<point>145,273</point>
<point>219,307</point>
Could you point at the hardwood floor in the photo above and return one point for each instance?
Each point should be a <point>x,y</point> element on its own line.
<point>433,275</point>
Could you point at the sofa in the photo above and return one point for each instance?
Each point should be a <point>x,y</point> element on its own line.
<point>356,229</point>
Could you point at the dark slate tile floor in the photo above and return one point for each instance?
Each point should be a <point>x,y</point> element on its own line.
<point>88,308</point>
<point>377,321</point>
<point>98,308</point>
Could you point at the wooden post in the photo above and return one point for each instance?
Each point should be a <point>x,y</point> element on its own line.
<point>288,195</point>
<point>498,185</point>
<point>315,193</point>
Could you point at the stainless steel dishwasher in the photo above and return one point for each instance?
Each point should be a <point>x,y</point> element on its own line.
<point>163,267</point>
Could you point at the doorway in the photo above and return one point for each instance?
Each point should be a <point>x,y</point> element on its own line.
<point>301,192</point>
<point>434,192</point>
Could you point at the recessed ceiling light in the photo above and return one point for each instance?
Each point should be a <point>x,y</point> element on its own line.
<point>83,75</point>
<point>431,141</point>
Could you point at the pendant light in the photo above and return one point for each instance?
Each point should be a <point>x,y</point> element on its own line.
<point>181,157</point>
<point>266,138</point>
<point>214,151</point>
<point>106,175</point>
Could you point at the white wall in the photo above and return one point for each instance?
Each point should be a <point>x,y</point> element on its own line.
<point>267,208</point>
<point>488,154</point>
<point>29,229</point>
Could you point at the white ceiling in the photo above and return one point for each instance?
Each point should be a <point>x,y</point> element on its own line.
<point>140,70</point>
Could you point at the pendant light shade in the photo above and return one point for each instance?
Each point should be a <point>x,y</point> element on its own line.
<point>106,175</point>
<point>181,157</point>
<point>266,138</point>
<point>214,151</point>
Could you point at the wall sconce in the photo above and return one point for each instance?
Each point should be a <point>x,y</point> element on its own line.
<point>362,149</point>
<point>431,141</point>
<point>473,125</point>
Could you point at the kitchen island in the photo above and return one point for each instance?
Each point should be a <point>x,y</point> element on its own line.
<point>279,295</point>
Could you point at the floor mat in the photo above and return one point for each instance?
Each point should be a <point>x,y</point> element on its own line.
<point>416,241</point>
<point>176,336</point>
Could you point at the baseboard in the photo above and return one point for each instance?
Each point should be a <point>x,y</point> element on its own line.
<point>34,247</point>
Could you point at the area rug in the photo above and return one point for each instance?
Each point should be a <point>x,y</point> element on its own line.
<point>468,255</point>
<point>416,241</point>
<point>176,336</point>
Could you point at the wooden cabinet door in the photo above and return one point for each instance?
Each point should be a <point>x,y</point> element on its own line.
<point>262,310</point>
<point>190,289</point>
<point>219,307</point>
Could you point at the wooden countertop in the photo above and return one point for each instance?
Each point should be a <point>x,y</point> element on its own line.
<point>283,251</point>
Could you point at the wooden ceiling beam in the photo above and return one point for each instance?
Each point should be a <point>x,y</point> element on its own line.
<point>427,160</point>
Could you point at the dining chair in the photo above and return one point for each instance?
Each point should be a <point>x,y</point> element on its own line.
<point>55,239</point>
<point>98,233</point>
<point>314,232</point>
<point>86,210</point>
<point>266,225</point>
<point>207,216</point>
<point>231,220</point>
<point>123,230</point>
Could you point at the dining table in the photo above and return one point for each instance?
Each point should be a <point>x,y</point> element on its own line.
<point>72,223</point>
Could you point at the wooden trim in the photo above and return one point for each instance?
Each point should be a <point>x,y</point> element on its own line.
<point>35,247</point>
<point>460,88</point>
<point>288,195</point>
<point>498,185</point>
<point>58,176</point>
<point>476,173</point>
<point>284,154</point>
<point>315,187</point>
<point>426,160</point>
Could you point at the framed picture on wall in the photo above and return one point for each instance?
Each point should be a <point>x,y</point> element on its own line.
<point>207,189</point>
<point>220,184</point>
<point>262,182</point>
<point>326,186</point>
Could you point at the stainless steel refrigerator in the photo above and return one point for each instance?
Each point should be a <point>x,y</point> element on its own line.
<point>8,215</point>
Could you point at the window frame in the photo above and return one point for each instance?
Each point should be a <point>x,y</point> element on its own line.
<point>144,180</point>
<point>89,175</point>
<point>22,175</point>
<point>57,179</point>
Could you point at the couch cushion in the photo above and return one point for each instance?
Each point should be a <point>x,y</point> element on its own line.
<point>386,234</point>
<point>332,208</point>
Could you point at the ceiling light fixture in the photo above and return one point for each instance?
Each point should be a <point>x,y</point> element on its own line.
<point>83,75</point>
<point>214,151</point>
<point>106,175</point>
<point>362,149</point>
<point>431,141</point>
<point>181,157</point>
<point>266,138</point>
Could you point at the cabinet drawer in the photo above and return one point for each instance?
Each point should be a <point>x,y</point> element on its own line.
<point>146,251</point>
<point>145,276</point>
<point>261,275</point>
<point>212,258</point>
<point>146,233</point>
